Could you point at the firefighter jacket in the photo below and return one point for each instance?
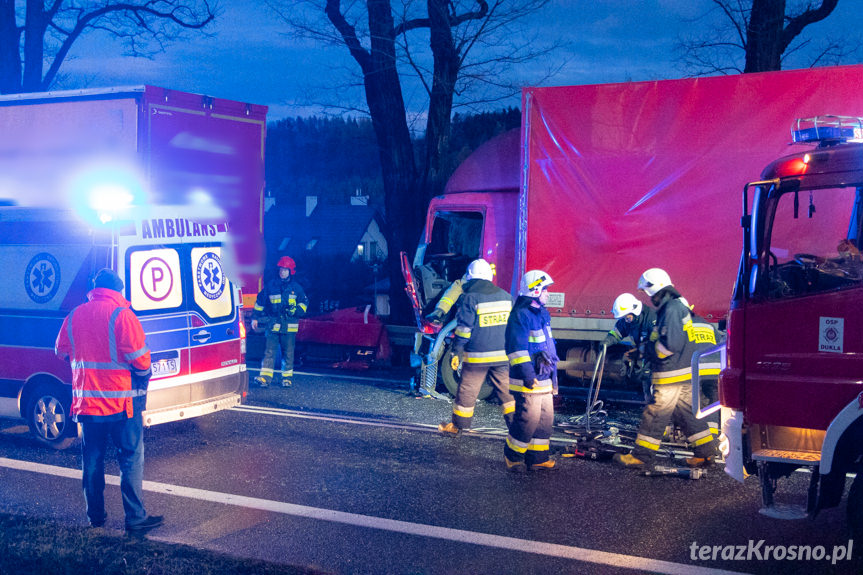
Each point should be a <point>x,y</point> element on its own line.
<point>280,305</point>
<point>639,329</point>
<point>675,338</point>
<point>481,316</point>
<point>449,297</point>
<point>104,342</point>
<point>530,348</point>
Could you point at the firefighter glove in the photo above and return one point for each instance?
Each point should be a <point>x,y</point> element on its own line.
<point>609,340</point>
<point>455,361</point>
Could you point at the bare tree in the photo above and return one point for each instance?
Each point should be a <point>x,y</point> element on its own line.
<point>379,42</point>
<point>761,35</point>
<point>39,33</point>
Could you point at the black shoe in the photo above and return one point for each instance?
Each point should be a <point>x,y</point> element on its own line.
<point>151,522</point>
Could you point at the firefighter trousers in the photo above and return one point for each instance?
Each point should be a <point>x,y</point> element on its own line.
<point>672,403</point>
<point>530,432</point>
<point>285,343</point>
<point>472,378</point>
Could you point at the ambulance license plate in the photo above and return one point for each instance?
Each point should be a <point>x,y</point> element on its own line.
<point>165,367</point>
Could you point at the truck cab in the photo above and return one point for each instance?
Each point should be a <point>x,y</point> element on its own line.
<point>791,389</point>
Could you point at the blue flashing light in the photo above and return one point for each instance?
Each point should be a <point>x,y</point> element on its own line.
<point>828,129</point>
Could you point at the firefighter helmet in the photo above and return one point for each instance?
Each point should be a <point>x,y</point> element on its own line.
<point>533,282</point>
<point>653,280</point>
<point>286,262</point>
<point>479,270</point>
<point>626,304</point>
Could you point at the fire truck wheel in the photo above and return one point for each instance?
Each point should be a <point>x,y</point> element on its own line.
<point>452,378</point>
<point>47,415</point>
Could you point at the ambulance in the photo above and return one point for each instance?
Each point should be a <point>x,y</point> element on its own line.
<point>173,269</point>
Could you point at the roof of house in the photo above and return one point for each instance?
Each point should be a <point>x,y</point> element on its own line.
<point>337,228</point>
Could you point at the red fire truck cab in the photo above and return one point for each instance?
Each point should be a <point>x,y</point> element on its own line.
<point>792,388</point>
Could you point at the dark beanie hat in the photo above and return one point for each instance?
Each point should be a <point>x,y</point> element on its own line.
<point>106,278</point>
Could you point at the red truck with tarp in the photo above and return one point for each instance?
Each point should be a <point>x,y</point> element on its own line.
<point>605,181</point>
<point>164,187</point>
<point>791,391</point>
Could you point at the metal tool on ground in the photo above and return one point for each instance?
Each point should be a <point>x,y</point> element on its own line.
<point>665,471</point>
<point>589,450</point>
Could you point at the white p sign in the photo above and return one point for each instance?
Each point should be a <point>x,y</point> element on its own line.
<point>155,278</point>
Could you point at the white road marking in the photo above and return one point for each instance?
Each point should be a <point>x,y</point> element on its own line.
<point>458,535</point>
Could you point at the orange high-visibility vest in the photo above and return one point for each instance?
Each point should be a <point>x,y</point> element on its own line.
<point>103,341</point>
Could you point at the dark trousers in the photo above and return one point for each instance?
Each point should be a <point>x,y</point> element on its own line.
<point>672,403</point>
<point>530,432</point>
<point>285,343</point>
<point>128,437</point>
<point>472,378</point>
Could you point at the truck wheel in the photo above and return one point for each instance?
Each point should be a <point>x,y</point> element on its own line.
<point>47,415</point>
<point>452,378</point>
<point>855,507</point>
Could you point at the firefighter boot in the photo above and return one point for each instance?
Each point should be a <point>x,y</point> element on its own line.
<point>286,382</point>
<point>695,462</point>
<point>628,461</point>
<point>514,466</point>
<point>448,428</point>
<point>548,465</point>
<point>262,381</point>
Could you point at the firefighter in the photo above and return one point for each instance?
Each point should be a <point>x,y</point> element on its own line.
<point>278,309</point>
<point>532,376</point>
<point>635,322</point>
<point>675,338</point>
<point>479,346</point>
<point>104,342</point>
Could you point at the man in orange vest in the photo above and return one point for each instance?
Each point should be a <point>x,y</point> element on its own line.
<point>104,342</point>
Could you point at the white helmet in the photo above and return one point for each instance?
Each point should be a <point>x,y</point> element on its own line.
<point>653,280</point>
<point>479,270</point>
<point>533,282</point>
<point>626,304</point>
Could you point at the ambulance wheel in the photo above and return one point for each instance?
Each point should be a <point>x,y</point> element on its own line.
<point>47,415</point>
<point>855,507</point>
<point>452,378</point>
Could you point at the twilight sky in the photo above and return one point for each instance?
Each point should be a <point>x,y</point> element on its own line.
<point>249,57</point>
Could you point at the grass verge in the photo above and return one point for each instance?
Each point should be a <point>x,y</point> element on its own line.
<point>29,545</point>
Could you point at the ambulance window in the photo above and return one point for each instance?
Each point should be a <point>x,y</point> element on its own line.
<point>155,280</point>
<point>210,288</point>
<point>810,247</point>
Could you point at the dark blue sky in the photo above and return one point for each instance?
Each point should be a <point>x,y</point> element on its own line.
<point>249,57</point>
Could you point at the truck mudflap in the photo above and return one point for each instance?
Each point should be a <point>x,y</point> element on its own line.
<point>731,443</point>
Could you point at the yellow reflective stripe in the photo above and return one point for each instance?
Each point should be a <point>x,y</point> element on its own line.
<point>536,282</point>
<point>485,357</point>
<point>288,373</point>
<point>647,442</point>
<point>515,444</point>
<point>700,333</point>
<point>293,327</point>
<point>696,436</point>
<point>266,372</point>
<point>536,336</point>
<point>493,307</point>
<point>518,357</point>
<point>508,407</point>
<point>276,298</point>
<point>463,332</point>
<point>543,386</point>
<point>674,376</point>
<point>445,301</point>
<point>702,441</point>
<point>462,411</point>
<point>303,307</point>
<point>537,447</point>
<point>258,307</point>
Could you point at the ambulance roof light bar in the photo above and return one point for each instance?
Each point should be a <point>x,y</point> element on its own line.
<point>827,130</point>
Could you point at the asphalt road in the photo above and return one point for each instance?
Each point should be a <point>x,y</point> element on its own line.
<point>347,473</point>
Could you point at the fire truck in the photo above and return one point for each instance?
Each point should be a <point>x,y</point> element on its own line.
<point>791,390</point>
